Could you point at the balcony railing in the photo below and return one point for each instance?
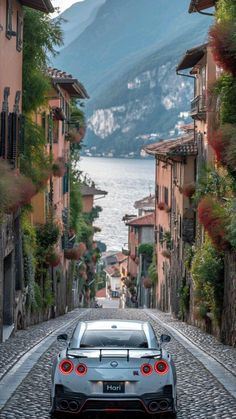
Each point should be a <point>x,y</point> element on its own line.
<point>198,105</point>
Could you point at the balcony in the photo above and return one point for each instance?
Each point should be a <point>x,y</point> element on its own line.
<point>198,107</point>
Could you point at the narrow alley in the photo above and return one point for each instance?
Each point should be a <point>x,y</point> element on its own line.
<point>26,365</point>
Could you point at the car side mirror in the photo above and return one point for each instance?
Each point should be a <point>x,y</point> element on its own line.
<point>165,338</point>
<point>63,337</point>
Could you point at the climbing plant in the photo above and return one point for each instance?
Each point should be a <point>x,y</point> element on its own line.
<point>208,275</point>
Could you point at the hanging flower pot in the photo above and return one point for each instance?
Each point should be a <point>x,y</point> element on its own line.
<point>72,254</point>
<point>84,276</point>
<point>189,190</point>
<point>147,283</point>
<point>82,249</point>
<point>53,258</point>
<point>166,254</point>
<point>75,136</point>
<point>162,206</point>
<point>59,167</point>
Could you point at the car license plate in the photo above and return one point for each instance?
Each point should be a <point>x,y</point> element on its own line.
<point>113,387</point>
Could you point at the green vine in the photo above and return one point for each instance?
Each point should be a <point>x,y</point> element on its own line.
<point>208,275</point>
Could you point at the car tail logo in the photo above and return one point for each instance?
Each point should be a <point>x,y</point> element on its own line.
<point>114,364</point>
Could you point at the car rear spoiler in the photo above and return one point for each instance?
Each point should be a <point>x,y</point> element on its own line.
<point>111,352</point>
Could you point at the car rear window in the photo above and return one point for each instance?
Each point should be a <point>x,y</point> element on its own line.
<point>114,338</point>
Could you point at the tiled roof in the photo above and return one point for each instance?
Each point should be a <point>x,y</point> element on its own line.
<point>120,257</point>
<point>113,270</point>
<point>87,190</point>
<point>145,220</point>
<point>42,5</point>
<point>68,83</point>
<point>101,293</point>
<point>147,202</point>
<point>183,146</point>
<point>198,5</point>
<point>192,57</point>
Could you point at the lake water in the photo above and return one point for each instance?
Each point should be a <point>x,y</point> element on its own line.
<point>126,181</point>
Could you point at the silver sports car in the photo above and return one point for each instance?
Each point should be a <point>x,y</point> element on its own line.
<point>114,366</point>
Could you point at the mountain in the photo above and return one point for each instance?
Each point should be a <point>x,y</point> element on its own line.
<point>78,17</point>
<point>126,57</point>
<point>146,103</point>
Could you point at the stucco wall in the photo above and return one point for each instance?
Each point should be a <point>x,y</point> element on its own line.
<point>10,58</point>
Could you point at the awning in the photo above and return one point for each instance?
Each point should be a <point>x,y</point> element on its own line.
<point>42,5</point>
<point>192,57</point>
<point>197,5</point>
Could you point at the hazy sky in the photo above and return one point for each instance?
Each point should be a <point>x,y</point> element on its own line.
<point>64,4</point>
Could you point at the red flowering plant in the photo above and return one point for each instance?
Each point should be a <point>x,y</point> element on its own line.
<point>222,41</point>
<point>213,216</point>
<point>16,190</point>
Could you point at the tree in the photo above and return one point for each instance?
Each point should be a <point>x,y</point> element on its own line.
<point>41,36</point>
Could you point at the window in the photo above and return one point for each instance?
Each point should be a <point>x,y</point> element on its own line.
<point>44,124</point>
<point>114,338</point>
<point>19,33</point>
<point>9,15</point>
<point>55,131</point>
<point>161,232</point>
<point>166,196</point>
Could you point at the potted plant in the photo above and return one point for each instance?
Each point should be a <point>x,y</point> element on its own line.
<point>189,190</point>
<point>162,206</point>
<point>53,258</point>
<point>166,254</point>
<point>147,283</point>
<point>59,167</point>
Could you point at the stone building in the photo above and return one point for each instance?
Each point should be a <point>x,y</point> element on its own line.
<point>175,169</point>
<point>11,44</point>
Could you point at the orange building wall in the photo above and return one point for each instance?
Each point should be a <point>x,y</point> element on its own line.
<point>10,58</point>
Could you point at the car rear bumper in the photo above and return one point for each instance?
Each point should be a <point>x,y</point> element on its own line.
<point>151,403</point>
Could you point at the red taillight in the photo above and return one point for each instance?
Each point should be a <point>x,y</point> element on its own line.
<point>66,366</point>
<point>161,367</point>
<point>81,369</point>
<point>146,369</point>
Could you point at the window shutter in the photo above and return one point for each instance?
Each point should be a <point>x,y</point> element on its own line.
<point>10,136</point>
<point>3,134</point>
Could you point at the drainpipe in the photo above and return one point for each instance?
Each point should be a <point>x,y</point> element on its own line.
<point>184,75</point>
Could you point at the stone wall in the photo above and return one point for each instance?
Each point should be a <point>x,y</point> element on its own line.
<point>228,326</point>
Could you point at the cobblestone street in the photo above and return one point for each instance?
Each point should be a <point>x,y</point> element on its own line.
<point>200,395</point>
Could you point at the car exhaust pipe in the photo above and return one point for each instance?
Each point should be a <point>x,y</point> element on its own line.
<point>163,405</point>
<point>153,406</point>
<point>64,405</point>
<point>73,406</point>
